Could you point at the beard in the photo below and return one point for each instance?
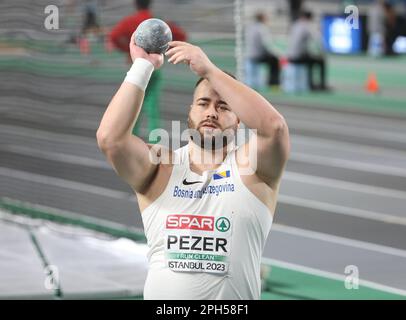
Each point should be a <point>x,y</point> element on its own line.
<point>216,139</point>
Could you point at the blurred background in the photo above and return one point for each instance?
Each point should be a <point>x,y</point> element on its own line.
<point>336,70</point>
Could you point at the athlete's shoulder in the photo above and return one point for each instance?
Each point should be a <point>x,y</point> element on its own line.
<point>164,155</point>
<point>160,154</point>
<point>241,154</point>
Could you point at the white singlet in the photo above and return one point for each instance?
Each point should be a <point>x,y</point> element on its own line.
<point>205,238</point>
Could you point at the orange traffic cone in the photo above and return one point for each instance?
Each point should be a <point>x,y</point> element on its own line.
<point>372,83</point>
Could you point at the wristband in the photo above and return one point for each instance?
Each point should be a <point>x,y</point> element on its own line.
<point>140,73</point>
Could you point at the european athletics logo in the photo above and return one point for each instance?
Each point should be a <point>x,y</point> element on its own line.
<point>221,175</point>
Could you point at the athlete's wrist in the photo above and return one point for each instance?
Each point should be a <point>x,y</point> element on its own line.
<point>211,72</point>
<point>140,73</point>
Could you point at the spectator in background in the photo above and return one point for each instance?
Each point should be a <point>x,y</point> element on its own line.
<point>305,46</point>
<point>390,28</point>
<point>376,28</point>
<point>90,18</point>
<point>259,48</point>
<point>120,36</point>
<point>71,21</point>
<point>295,7</point>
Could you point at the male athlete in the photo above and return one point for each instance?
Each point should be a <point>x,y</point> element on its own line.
<point>206,223</point>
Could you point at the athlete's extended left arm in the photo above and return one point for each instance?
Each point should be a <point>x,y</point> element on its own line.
<point>272,139</point>
<point>254,110</point>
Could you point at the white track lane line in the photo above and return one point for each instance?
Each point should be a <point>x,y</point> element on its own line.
<point>339,240</point>
<point>347,164</point>
<point>63,183</point>
<point>374,122</point>
<point>59,157</point>
<point>379,135</point>
<point>334,209</point>
<point>336,145</point>
<point>344,185</point>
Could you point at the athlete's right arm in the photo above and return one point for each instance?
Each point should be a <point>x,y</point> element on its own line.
<point>128,154</point>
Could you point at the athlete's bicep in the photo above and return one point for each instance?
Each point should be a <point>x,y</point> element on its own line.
<point>267,156</point>
<point>132,160</point>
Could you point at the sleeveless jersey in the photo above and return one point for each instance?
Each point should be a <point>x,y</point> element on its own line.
<point>206,235</point>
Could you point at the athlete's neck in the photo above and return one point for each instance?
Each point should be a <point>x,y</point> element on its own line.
<point>201,159</point>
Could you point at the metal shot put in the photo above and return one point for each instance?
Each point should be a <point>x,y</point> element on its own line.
<point>153,36</point>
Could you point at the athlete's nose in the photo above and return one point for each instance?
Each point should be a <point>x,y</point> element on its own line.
<point>211,112</point>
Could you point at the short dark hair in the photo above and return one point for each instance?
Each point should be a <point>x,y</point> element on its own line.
<point>142,4</point>
<point>201,79</point>
<point>260,17</point>
<point>306,14</point>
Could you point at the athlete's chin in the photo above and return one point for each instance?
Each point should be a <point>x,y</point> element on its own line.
<point>209,132</point>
